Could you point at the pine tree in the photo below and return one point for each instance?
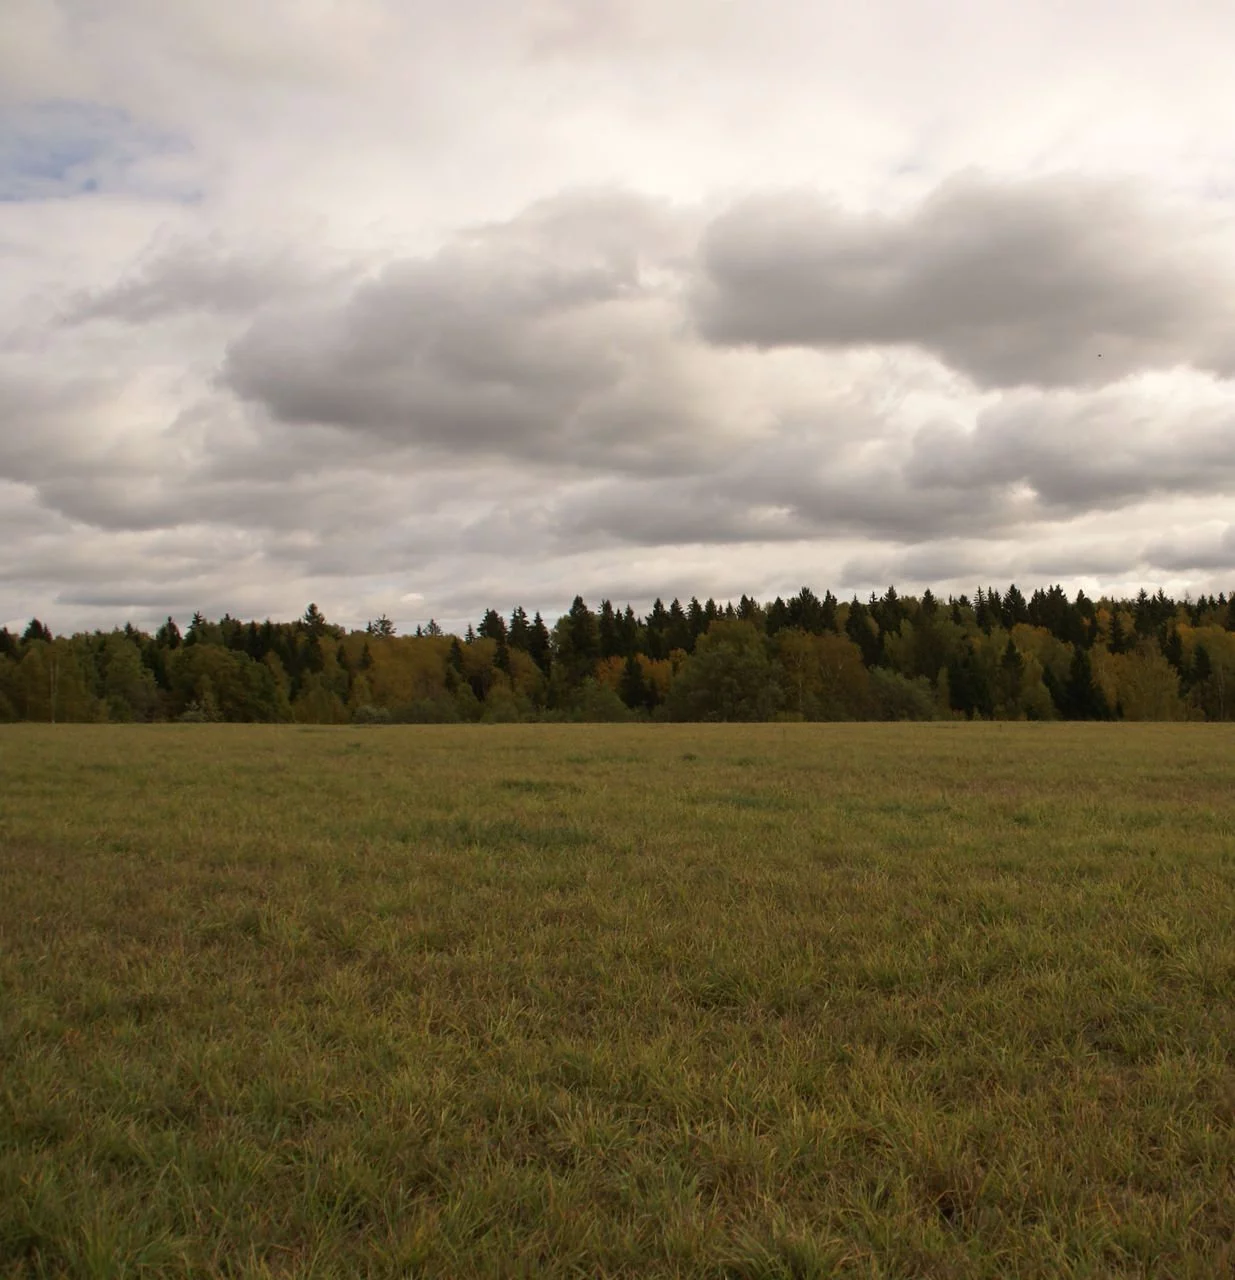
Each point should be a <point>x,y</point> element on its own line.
<point>980,612</point>
<point>628,633</point>
<point>968,686</point>
<point>657,629</point>
<point>314,620</point>
<point>778,617</point>
<point>168,635</point>
<point>493,627</point>
<point>519,633</point>
<point>633,688</point>
<point>454,661</point>
<point>1082,696</point>
<point>891,610</point>
<point>1015,607</point>
<point>749,611</point>
<point>1011,674</point>
<point>538,647</point>
<point>858,628</point>
<point>679,634</point>
<point>610,642</point>
<point>1173,650</point>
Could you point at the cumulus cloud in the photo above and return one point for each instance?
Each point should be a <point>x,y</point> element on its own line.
<point>554,338</point>
<point>1208,548</point>
<point>192,278</point>
<point>1066,281</point>
<point>1083,451</point>
<point>418,309</point>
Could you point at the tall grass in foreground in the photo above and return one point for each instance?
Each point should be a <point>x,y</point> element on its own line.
<point>945,1000</point>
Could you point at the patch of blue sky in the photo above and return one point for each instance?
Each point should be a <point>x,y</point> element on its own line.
<point>62,149</point>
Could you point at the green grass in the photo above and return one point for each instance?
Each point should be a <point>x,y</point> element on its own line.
<point>895,1001</point>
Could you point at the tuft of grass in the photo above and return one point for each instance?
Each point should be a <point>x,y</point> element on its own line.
<point>757,1001</point>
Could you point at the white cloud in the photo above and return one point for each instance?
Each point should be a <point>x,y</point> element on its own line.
<point>407,307</point>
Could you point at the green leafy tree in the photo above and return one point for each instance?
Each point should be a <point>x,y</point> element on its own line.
<point>729,677</point>
<point>597,703</point>
<point>242,690</point>
<point>893,697</point>
<point>128,687</point>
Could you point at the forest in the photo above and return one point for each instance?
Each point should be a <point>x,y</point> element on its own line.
<point>995,656</point>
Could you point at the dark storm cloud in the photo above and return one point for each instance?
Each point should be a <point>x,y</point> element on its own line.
<point>1056,282</point>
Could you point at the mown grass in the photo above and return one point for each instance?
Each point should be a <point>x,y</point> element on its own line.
<point>943,1000</point>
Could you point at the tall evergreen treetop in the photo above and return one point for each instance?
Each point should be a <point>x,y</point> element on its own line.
<point>35,630</point>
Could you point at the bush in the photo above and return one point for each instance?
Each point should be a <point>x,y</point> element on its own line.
<point>369,714</point>
<point>502,706</point>
<point>597,703</point>
<point>893,697</point>
<point>427,711</point>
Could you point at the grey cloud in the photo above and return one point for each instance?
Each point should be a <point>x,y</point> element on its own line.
<point>1081,452</point>
<point>1060,281</point>
<point>763,497</point>
<point>932,562</point>
<point>1059,558</point>
<point>158,598</point>
<point>554,338</point>
<point>193,278</point>
<point>1206,553</point>
<point>45,421</point>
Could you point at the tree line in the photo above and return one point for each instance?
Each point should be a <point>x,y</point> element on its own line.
<point>999,655</point>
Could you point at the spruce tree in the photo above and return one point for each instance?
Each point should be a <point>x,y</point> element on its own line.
<point>35,630</point>
<point>633,688</point>
<point>538,646</point>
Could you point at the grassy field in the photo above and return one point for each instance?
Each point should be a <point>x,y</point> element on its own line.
<point>853,1000</point>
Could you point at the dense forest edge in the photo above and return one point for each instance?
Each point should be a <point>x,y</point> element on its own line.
<point>997,656</point>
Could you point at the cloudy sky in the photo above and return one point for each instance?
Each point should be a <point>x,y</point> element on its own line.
<point>419,307</point>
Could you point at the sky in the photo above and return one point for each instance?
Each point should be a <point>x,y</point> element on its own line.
<point>422,308</point>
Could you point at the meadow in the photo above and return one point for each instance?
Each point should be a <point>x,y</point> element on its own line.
<point>950,1000</point>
